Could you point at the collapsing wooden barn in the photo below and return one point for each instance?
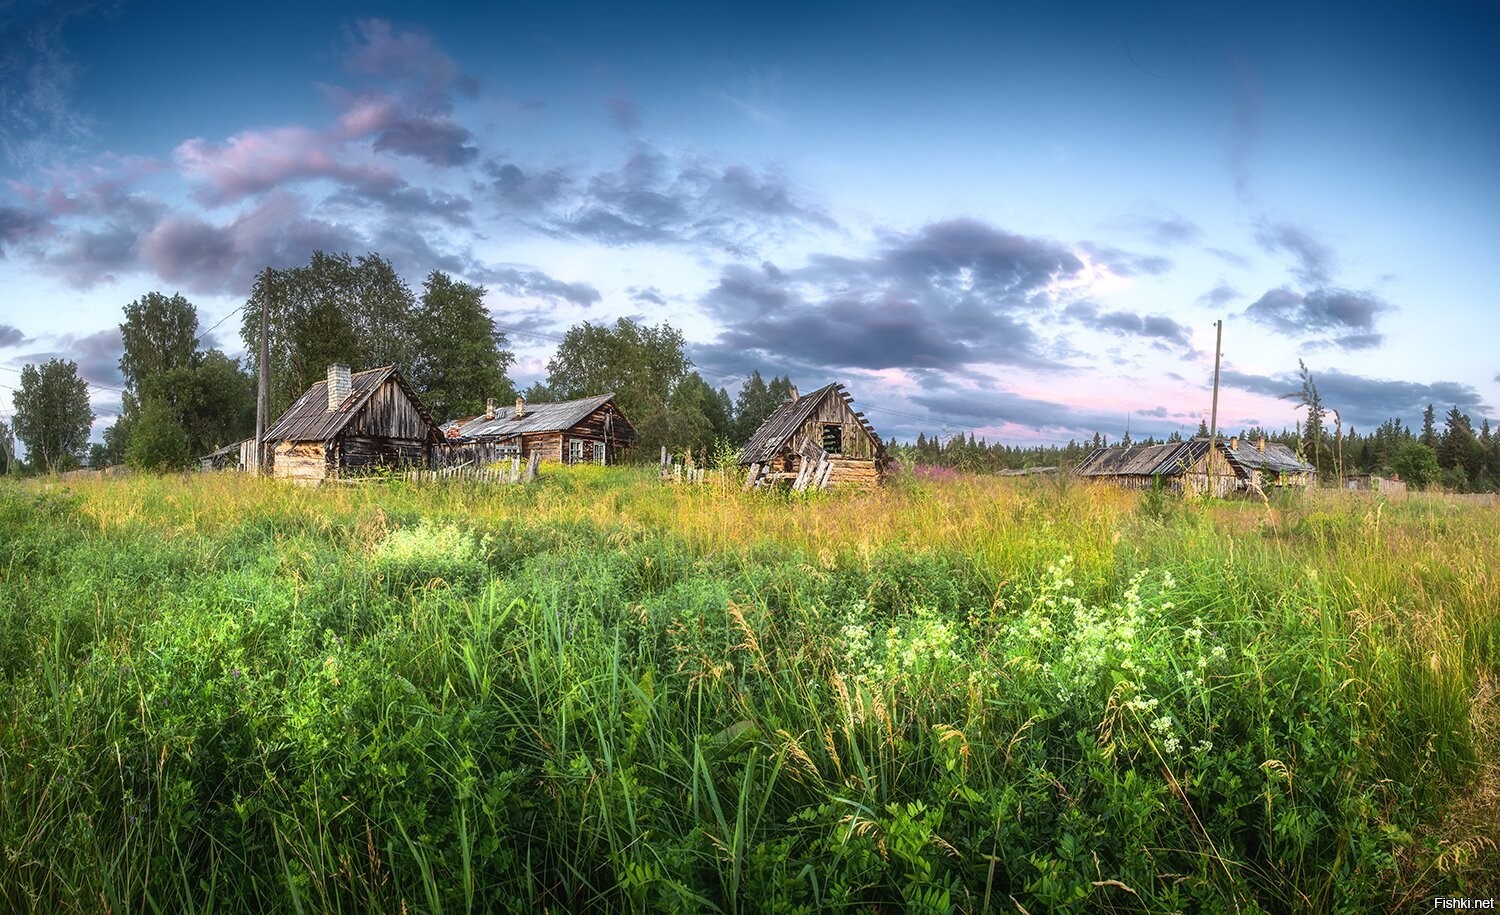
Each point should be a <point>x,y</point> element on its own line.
<point>1175,466</point>
<point>591,430</point>
<point>351,423</point>
<point>815,440</point>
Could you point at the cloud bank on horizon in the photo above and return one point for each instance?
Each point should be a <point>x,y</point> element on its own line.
<point>1031,246</point>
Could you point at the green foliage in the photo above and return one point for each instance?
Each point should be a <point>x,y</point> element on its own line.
<point>53,416</point>
<point>1417,464</point>
<point>461,357</point>
<point>157,440</point>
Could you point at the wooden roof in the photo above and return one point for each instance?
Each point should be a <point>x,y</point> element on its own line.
<point>1277,458</point>
<point>545,417</point>
<point>310,420</point>
<point>1168,460</point>
<point>786,419</point>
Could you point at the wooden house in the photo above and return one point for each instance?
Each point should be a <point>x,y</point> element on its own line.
<point>1184,466</point>
<point>591,430</point>
<point>816,439</point>
<point>1175,466</point>
<point>1269,465</point>
<point>351,423</point>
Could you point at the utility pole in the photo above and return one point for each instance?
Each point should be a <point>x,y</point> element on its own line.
<point>1213,416</point>
<point>263,393</point>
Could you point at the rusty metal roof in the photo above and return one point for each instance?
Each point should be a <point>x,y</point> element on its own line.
<point>545,417</point>
<point>310,420</point>
<point>786,419</point>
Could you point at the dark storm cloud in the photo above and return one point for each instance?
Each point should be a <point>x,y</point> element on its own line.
<point>1124,263</point>
<point>11,336</point>
<point>1315,260</point>
<point>951,295</point>
<point>87,257</point>
<point>435,139</point>
<point>1348,318</point>
<point>97,354</point>
<point>623,113</point>
<point>1363,401</point>
<point>536,284</point>
<point>519,190</point>
<point>18,225</point>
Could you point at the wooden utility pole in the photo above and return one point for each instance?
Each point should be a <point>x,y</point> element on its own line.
<point>1213,416</point>
<point>263,393</point>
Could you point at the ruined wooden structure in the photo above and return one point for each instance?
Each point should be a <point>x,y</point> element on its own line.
<point>1189,466</point>
<point>591,430</point>
<point>352,423</point>
<point>814,441</point>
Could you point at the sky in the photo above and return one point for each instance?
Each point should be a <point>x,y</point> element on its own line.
<point>1020,221</point>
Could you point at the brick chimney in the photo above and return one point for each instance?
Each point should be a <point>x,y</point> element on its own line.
<point>1261,444</point>
<point>520,406</point>
<point>489,408</point>
<point>338,385</point>
<point>1234,443</point>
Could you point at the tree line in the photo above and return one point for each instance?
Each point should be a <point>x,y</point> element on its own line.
<point>180,400</point>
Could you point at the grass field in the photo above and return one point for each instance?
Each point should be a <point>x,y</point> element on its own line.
<point>601,693</point>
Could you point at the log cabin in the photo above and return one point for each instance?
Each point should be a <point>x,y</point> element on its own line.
<point>813,431</point>
<point>352,423</point>
<point>591,430</point>
<point>1184,466</point>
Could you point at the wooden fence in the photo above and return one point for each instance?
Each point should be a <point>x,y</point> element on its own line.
<point>515,473</point>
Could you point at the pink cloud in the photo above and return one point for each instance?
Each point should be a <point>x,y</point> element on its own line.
<point>254,161</point>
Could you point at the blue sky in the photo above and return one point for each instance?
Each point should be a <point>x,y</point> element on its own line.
<point>1020,221</point>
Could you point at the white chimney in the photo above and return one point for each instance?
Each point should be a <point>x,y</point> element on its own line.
<point>520,406</point>
<point>489,408</point>
<point>338,385</point>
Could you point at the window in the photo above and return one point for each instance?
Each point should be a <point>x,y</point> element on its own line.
<point>575,451</point>
<point>833,438</point>
<point>599,454</point>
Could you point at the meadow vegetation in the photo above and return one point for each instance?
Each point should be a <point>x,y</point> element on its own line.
<point>601,693</point>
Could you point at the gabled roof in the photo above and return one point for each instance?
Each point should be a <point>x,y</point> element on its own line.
<point>786,419</point>
<point>310,420</point>
<point>1277,458</point>
<point>542,417</point>
<point>1168,460</point>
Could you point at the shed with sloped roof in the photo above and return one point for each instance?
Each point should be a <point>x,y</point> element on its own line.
<point>351,423</point>
<point>590,430</point>
<point>817,430</point>
<point>1176,466</point>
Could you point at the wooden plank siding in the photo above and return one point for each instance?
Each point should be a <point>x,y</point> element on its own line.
<point>382,425</point>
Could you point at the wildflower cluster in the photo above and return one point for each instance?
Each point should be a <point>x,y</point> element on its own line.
<point>907,652</point>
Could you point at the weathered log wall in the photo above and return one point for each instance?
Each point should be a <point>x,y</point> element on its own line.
<point>300,462</point>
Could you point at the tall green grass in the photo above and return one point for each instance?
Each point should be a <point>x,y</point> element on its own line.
<point>600,693</point>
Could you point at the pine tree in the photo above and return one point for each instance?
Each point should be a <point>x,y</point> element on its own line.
<point>1429,428</point>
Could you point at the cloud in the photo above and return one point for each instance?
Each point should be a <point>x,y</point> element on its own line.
<point>951,295</point>
<point>97,354</point>
<point>654,199</point>
<point>223,258</point>
<point>18,225</point>
<point>1170,230</point>
<point>1363,401</point>
<point>1348,317</point>
<point>253,162</point>
<point>37,118</point>
<point>623,113</point>
<point>11,336</point>
<point>416,118</point>
<point>1220,295</point>
<point>1229,257</point>
<point>1124,263</point>
<point>519,191</point>
<point>648,295</point>
<point>536,284</point>
<point>1315,260</point>
<point>1127,323</point>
